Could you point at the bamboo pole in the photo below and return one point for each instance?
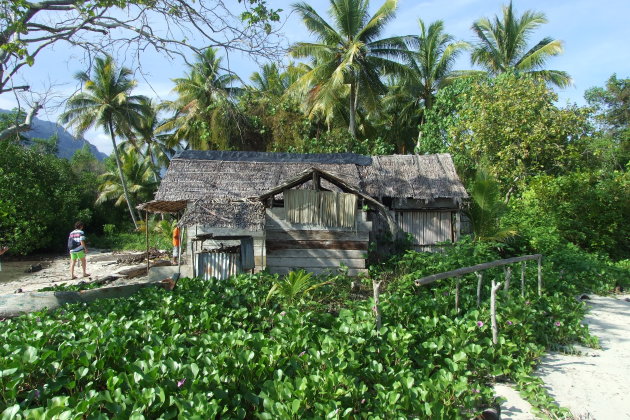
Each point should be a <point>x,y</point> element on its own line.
<point>523,264</point>
<point>457,283</point>
<point>376,285</point>
<point>540,276</point>
<point>493,312</point>
<point>508,277</point>
<point>479,282</point>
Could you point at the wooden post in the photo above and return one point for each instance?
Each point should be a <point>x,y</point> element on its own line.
<point>458,279</point>
<point>179,251</point>
<point>540,276</point>
<point>493,312</point>
<point>523,264</point>
<point>508,277</point>
<point>146,228</point>
<point>479,281</point>
<point>316,181</point>
<point>376,285</point>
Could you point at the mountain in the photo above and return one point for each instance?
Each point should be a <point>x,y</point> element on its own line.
<point>68,144</point>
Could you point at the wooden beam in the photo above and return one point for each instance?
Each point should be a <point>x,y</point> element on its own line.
<point>314,262</point>
<point>316,235</point>
<point>318,253</point>
<point>472,269</point>
<point>276,245</point>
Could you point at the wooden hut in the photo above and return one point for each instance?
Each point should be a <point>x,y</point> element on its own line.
<point>319,212</point>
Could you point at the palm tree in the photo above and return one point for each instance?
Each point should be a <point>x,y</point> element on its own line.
<point>205,115</point>
<point>106,102</point>
<point>502,46</point>
<point>487,208</point>
<point>348,59</point>
<point>146,140</point>
<point>139,174</point>
<point>431,58</point>
<point>271,81</point>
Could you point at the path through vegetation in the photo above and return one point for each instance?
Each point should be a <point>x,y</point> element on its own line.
<point>594,384</point>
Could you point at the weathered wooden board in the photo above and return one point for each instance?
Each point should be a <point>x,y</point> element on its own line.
<point>319,253</point>
<point>276,220</point>
<point>319,270</point>
<point>19,303</point>
<point>275,245</point>
<point>427,227</point>
<point>316,235</point>
<point>313,262</point>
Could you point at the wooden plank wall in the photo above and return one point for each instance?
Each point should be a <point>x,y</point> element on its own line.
<point>427,227</point>
<point>317,249</point>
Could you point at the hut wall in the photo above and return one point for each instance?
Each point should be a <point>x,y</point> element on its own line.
<point>429,227</point>
<point>316,249</point>
<point>257,236</point>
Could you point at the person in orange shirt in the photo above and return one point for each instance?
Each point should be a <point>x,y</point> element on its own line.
<point>176,244</point>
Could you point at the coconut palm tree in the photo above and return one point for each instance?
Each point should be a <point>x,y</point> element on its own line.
<point>139,175</point>
<point>502,46</point>
<point>146,140</point>
<point>430,57</point>
<point>106,102</point>
<point>205,115</point>
<point>271,81</point>
<point>348,58</point>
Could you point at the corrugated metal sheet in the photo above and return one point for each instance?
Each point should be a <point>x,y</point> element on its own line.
<point>220,265</point>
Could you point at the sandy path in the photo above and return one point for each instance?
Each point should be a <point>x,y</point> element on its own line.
<point>594,385</point>
<point>597,384</point>
<point>57,271</point>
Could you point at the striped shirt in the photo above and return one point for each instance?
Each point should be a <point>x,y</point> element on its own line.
<point>77,237</point>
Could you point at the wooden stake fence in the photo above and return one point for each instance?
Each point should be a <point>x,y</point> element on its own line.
<point>493,290</point>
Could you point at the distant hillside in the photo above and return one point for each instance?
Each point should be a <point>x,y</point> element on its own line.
<point>68,144</point>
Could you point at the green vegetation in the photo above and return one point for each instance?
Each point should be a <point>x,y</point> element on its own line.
<point>213,348</point>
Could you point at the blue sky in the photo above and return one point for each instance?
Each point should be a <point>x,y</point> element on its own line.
<point>596,36</point>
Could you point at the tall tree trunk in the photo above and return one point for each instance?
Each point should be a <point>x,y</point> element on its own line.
<point>352,127</point>
<point>156,173</point>
<point>122,176</point>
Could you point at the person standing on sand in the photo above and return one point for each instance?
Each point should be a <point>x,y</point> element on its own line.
<point>175,244</point>
<point>77,249</point>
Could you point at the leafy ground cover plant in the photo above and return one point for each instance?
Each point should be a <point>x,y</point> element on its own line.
<point>216,349</point>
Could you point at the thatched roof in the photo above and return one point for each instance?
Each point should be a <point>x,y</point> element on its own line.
<point>247,215</point>
<point>242,175</point>
<point>189,179</point>
<point>426,177</point>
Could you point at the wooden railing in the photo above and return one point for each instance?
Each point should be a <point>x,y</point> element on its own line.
<point>495,286</point>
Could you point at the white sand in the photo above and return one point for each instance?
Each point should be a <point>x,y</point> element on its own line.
<point>57,271</point>
<point>594,385</point>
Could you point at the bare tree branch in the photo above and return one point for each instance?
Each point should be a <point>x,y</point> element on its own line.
<point>25,126</point>
<point>172,27</point>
